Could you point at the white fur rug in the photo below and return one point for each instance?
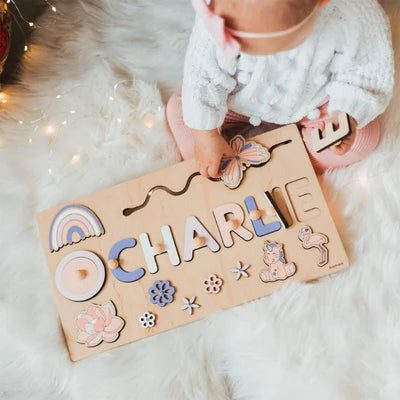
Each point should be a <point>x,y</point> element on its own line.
<point>338,338</point>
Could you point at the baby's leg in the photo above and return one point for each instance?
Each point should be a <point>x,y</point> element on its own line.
<point>365,140</point>
<point>184,136</point>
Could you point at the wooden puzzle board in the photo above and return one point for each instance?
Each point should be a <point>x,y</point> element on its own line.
<point>288,174</point>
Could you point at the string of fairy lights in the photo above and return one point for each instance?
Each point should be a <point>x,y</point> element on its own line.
<point>41,125</point>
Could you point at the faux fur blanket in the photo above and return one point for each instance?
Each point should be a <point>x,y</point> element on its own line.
<point>91,111</point>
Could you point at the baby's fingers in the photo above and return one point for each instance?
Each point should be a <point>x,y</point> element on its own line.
<point>204,171</point>
<point>213,170</point>
<point>228,151</point>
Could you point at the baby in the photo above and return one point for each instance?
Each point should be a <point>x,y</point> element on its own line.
<point>282,62</point>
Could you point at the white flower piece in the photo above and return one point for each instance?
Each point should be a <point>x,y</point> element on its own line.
<point>240,270</point>
<point>147,320</point>
<point>189,304</point>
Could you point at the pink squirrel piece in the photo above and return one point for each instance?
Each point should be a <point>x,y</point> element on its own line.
<point>246,153</point>
<point>277,267</point>
<point>317,240</point>
<point>98,323</point>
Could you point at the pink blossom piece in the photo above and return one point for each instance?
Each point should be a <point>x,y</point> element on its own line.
<point>114,326</point>
<point>82,337</point>
<point>212,284</point>
<point>100,313</point>
<point>91,311</point>
<point>98,323</point>
<point>81,322</point>
<point>109,312</point>
<point>93,340</point>
<point>110,337</point>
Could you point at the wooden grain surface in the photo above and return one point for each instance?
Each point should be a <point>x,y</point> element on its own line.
<point>289,172</point>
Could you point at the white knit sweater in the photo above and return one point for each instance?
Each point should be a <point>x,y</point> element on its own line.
<point>348,60</point>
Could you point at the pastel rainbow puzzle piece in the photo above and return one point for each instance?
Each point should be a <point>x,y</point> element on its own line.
<point>70,220</point>
<point>171,247</point>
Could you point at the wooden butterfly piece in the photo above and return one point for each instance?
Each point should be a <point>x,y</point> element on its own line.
<point>246,154</point>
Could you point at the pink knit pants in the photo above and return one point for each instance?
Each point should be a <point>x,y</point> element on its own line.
<point>365,140</point>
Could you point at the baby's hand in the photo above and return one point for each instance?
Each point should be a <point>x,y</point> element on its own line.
<point>344,145</point>
<point>209,147</point>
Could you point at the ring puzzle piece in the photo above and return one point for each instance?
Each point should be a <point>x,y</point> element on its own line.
<point>80,275</point>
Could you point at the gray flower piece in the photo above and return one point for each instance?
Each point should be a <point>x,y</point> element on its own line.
<point>189,304</point>
<point>240,270</point>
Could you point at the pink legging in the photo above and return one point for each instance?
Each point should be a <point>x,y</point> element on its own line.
<point>365,141</point>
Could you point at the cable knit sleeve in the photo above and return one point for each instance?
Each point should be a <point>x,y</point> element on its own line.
<point>207,82</point>
<point>363,67</point>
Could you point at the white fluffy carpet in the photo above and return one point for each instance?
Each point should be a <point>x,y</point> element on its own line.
<point>338,338</point>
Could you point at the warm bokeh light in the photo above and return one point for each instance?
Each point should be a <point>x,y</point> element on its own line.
<point>75,159</point>
<point>50,131</point>
<point>148,121</point>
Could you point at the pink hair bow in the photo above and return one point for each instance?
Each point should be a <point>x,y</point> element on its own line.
<point>216,27</point>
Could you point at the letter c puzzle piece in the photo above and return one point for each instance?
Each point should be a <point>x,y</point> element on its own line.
<point>118,272</point>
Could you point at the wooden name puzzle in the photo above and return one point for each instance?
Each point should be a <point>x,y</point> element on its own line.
<point>172,247</point>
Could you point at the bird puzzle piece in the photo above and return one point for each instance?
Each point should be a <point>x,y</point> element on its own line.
<point>317,240</point>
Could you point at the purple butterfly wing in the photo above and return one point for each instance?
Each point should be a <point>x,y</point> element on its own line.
<point>232,173</point>
<point>237,143</point>
<point>253,154</point>
<point>246,154</point>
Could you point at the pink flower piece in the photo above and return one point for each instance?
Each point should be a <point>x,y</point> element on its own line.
<point>98,323</point>
<point>212,285</point>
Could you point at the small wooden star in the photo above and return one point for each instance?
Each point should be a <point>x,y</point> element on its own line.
<point>189,304</point>
<point>240,270</point>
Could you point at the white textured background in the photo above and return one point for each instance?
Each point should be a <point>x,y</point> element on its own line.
<point>338,338</point>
